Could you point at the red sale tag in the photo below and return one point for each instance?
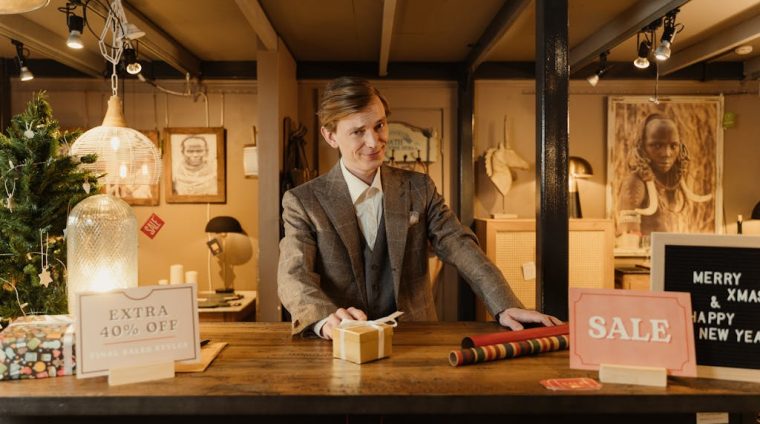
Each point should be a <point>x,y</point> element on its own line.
<point>152,226</point>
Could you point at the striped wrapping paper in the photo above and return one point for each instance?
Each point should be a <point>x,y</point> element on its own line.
<point>514,336</point>
<point>507,350</point>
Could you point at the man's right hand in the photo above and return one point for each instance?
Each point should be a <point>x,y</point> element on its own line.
<point>336,317</point>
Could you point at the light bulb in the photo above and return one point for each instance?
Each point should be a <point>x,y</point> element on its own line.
<point>123,170</point>
<point>75,40</point>
<point>115,142</point>
<point>663,51</point>
<point>25,74</point>
<point>641,63</point>
<point>134,68</point>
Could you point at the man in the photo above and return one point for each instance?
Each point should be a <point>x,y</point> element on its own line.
<point>356,238</point>
<point>194,175</point>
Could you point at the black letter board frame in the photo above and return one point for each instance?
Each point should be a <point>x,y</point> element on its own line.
<point>674,259</point>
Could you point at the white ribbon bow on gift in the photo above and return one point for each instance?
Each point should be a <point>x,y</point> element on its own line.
<point>376,324</point>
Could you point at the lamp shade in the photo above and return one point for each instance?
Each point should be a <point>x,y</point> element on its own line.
<point>578,167</point>
<point>8,7</point>
<point>224,224</point>
<point>756,211</point>
<point>101,242</point>
<point>125,156</point>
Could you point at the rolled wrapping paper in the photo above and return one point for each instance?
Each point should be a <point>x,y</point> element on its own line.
<point>191,277</point>
<point>514,336</point>
<point>507,350</point>
<point>176,274</point>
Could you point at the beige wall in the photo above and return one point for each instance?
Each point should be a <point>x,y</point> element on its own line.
<point>588,139</point>
<point>82,103</point>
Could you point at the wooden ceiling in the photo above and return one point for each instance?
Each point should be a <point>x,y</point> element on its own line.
<point>187,33</point>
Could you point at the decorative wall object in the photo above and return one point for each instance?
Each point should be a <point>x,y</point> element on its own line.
<point>665,166</point>
<point>142,192</point>
<point>411,147</point>
<point>194,164</point>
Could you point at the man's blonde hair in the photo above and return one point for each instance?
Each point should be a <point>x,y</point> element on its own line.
<point>344,96</point>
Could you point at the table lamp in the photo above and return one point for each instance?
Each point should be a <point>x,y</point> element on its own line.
<point>231,246</point>
<point>577,168</point>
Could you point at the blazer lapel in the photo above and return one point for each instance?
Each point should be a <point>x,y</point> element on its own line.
<point>336,202</point>
<point>396,203</point>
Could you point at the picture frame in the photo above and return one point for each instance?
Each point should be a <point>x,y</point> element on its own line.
<point>194,165</point>
<point>671,184</point>
<point>139,194</point>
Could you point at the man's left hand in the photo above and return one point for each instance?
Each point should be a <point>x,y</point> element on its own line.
<point>513,318</point>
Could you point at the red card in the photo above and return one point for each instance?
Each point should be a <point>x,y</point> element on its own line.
<point>152,226</point>
<point>582,383</point>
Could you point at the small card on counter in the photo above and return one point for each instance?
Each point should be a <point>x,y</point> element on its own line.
<point>581,383</point>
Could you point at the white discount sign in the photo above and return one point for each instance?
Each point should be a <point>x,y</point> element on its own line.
<point>135,327</point>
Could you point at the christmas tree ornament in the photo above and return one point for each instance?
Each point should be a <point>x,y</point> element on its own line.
<point>45,278</point>
<point>86,187</point>
<point>10,203</point>
<point>29,133</point>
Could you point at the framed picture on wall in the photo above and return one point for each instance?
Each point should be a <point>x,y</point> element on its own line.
<point>194,165</point>
<point>138,194</point>
<point>665,168</point>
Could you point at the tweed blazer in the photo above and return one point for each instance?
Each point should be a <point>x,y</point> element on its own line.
<point>321,267</point>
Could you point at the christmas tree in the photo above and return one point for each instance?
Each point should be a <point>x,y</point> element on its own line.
<point>40,185</point>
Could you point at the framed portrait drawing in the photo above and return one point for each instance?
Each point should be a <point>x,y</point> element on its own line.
<point>138,194</point>
<point>194,165</point>
<point>664,168</point>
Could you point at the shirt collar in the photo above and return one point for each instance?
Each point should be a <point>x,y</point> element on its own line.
<point>357,187</point>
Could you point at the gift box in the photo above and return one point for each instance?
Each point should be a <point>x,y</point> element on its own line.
<point>37,346</point>
<point>364,341</point>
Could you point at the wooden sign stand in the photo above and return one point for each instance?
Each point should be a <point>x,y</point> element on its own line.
<point>140,373</point>
<point>630,374</point>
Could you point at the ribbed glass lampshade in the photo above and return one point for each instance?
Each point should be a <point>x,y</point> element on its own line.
<point>125,156</point>
<point>101,243</point>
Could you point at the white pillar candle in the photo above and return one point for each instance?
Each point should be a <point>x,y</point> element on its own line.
<point>191,277</point>
<point>176,272</point>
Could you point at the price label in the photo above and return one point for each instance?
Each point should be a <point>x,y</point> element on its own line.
<point>140,326</point>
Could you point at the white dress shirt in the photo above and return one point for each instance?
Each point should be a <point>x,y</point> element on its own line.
<point>368,206</point>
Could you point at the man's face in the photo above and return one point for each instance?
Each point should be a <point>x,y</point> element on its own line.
<point>194,151</point>
<point>662,144</point>
<point>361,138</point>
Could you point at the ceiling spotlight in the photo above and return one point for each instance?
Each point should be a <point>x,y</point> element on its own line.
<point>662,52</point>
<point>642,62</point>
<point>76,25</point>
<point>24,73</point>
<point>593,79</point>
<point>130,59</point>
<point>742,50</point>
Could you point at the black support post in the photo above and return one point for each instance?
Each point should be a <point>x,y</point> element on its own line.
<point>466,178</point>
<point>552,80</point>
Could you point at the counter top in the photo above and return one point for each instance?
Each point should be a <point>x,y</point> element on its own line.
<point>265,371</point>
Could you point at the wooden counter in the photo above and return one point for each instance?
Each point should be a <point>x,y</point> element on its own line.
<point>265,372</point>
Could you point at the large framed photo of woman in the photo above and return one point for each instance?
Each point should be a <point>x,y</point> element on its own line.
<point>664,168</point>
<point>194,165</point>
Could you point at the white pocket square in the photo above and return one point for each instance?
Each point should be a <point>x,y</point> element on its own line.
<point>414,217</point>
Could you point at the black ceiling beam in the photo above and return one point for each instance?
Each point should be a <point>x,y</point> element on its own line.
<point>498,26</point>
<point>446,71</point>
<point>438,71</point>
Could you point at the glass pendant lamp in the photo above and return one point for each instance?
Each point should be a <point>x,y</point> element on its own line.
<point>101,243</point>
